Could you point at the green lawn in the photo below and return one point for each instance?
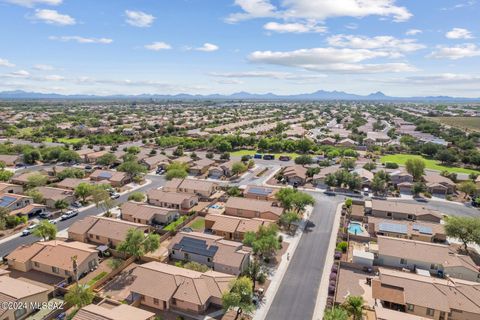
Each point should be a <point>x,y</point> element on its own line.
<point>172,226</point>
<point>429,163</point>
<point>198,223</point>
<point>240,153</point>
<point>65,140</point>
<point>97,278</point>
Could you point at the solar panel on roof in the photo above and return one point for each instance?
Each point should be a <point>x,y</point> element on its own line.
<point>393,227</point>
<point>196,246</point>
<point>106,175</point>
<point>5,201</point>
<point>260,191</point>
<point>423,229</point>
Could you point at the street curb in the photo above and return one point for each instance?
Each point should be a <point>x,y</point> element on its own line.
<point>322,294</point>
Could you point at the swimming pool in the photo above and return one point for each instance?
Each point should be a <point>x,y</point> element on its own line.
<point>216,206</point>
<point>355,228</point>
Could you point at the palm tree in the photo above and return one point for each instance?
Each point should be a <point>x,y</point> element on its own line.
<point>336,314</point>
<point>79,296</point>
<point>354,306</point>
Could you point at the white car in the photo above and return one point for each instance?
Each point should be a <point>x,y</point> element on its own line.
<point>69,214</point>
<point>29,229</point>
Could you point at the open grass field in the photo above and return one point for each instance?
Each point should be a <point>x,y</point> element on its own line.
<point>240,153</point>
<point>465,123</point>
<point>429,163</point>
<point>198,224</point>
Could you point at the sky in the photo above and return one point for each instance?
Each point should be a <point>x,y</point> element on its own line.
<point>402,48</point>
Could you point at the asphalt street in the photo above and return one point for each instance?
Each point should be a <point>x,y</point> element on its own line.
<point>9,246</point>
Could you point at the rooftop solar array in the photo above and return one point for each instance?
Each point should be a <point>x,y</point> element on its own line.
<point>260,191</point>
<point>393,227</point>
<point>106,175</point>
<point>422,229</point>
<point>5,201</point>
<point>196,246</point>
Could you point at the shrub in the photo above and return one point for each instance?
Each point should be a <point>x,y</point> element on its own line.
<point>342,246</point>
<point>391,165</point>
<point>262,277</point>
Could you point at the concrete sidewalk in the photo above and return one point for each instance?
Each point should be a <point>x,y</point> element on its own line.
<point>275,281</point>
<point>329,259</point>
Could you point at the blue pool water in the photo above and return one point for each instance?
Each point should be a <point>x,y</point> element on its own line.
<point>355,228</point>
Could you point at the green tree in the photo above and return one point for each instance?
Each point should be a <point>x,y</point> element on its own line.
<point>84,190</point>
<point>137,196</point>
<point>468,187</point>
<point>132,168</point>
<point>303,159</point>
<point>288,218</point>
<point>79,296</point>
<point>416,167</point>
<point>107,159</point>
<point>418,187</point>
<point>71,173</point>
<point>378,185</point>
<point>354,307</point>
<point>69,156</point>
<point>238,168</point>
<point>195,266</point>
<point>61,205</point>
<point>254,271</point>
<point>45,230</point>
<point>447,156</point>
<point>466,229</point>
<point>31,156</point>
<point>239,296</point>
<point>264,242</point>
<point>5,175</point>
<point>336,313</point>
<point>137,244</point>
<point>35,194</point>
<point>102,199</point>
<point>3,217</point>
<point>177,170</point>
<point>347,163</point>
<point>36,180</point>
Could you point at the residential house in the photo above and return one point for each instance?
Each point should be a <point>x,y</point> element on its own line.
<point>213,251</point>
<point>10,188</point>
<point>109,311</point>
<point>438,259</point>
<point>94,156</point>
<point>348,143</point>
<point>10,160</point>
<point>102,230</point>
<point>319,179</point>
<point>252,208</point>
<point>156,161</point>
<point>200,167</point>
<point>22,296</point>
<point>114,178</point>
<point>222,170</point>
<point>183,202</point>
<point>233,228</point>
<point>54,258</point>
<point>400,176</point>
<point>164,287</point>
<point>51,195</point>
<point>438,184</point>
<point>429,297</point>
<point>203,189</point>
<point>327,141</point>
<point>414,230</point>
<point>403,211</point>
<point>71,183</point>
<point>13,201</point>
<point>379,138</point>
<point>295,174</point>
<point>260,193</point>
<point>143,213</point>
<point>22,179</point>
<point>365,175</point>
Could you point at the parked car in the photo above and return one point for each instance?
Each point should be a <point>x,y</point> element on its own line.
<point>269,157</point>
<point>160,171</point>
<point>29,230</point>
<point>77,204</point>
<point>69,214</point>
<point>46,215</point>
<point>284,158</point>
<point>257,156</point>
<point>329,193</point>
<point>114,195</point>
<point>53,221</point>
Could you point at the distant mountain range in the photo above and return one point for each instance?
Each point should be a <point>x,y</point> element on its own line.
<point>317,95</point>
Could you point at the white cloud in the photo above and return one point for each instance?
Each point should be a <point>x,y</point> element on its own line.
<point>342,60</point>
<point>387,43</point>
<point>319,10</point>
<point>459,33</point>
<point>54,77</point>
<point>33,3</point>
<point>43,67</point>
<point>207,47</point>
<point>6,63</point>
<point>294,27</point>
<point>139,19</point>
<point>53,17</point>
<point>81,39</point>
<point>268,74</point>
<point>466,50</point>
<point>157,46</point>
<point>444,78</point>
<point>19,74</point>
<point>413,32</point>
